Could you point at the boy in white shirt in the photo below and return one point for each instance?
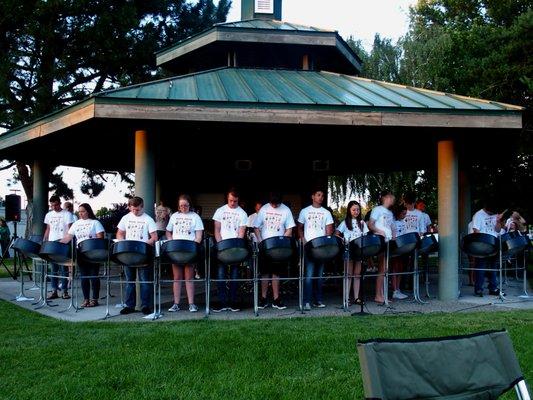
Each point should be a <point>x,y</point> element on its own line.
<point>137,225</point>
<point>382,223</point>
<point>230,222</point>
<point>314,221</point>
<point>486,221</point>
<point>58,222</point>
<point>273,219</point>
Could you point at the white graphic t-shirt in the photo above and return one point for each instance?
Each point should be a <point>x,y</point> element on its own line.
<point>383,220</point>
<point>350,235</point>
<point>485,223</point>
<point>137,228</point>
<point>414,222</point>
<point>401,227</point>
<point>426,221</point>
<point>315,221</point>
<point>84,229</point>
<point>58,222</point>
<point>231,219</point>
<point>184,225</point>
<point>274,221</point>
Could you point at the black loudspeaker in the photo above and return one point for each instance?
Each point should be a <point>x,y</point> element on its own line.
<point>12,204</point>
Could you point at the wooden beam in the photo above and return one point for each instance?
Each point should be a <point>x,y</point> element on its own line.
<point>56,122</point>
<point>309,116</point>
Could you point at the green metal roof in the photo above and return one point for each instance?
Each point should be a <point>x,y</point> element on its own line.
<point>271,24</point>
<point>287,87</point>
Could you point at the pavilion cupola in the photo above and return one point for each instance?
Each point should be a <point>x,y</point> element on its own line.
<point>261,40</point>
<point>261,9</point>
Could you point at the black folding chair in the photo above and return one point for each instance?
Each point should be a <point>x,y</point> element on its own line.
<point>473,367</point>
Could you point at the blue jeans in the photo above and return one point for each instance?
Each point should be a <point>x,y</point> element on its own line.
<point>310,267</point>
<point>145,274</point>
<point>64,281</point>
<point>89,269</point>
<point>221,285</point>
<point>485,263</point>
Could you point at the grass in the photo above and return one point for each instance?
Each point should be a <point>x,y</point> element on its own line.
<point>302,358</point>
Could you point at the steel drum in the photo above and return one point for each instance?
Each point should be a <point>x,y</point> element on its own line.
<point>180,251</point>
<point>324,248</point>
<point>480,245</point>
<point>26,247</point>
<point>429,244</point>
<point>132,253</point>
<point>232,251</point>
<point>56,252</point>
<point>278,248</point>
<point>94,250</point>
<point>514,243</point>
<point>404,244</point>
<point>366,246</point>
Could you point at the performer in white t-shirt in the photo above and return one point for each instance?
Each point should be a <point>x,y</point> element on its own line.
<point>184,225</point>
<point>58,222</point>
<point>230,222</point>
<point>314,221</point>
<point>250,225</point>
<point>137,225</point>
<point>399,263</point>
<point>351,228</point>
<point>381,223</point>
<point>87,227</point>
<point>420,205</point>
<point>487,221</point>
<point>273,219</point>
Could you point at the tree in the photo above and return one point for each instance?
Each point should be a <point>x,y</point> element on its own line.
<point>479,48</point>
<point>57,52</point>
<point>368,186</point>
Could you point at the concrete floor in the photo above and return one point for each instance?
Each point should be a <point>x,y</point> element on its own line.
<point>59,308</point>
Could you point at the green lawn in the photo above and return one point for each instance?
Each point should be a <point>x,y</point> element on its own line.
<point>302,358</point>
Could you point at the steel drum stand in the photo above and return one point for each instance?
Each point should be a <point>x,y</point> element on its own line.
<point>45,301</point>
<point>21,296</point>
<point>386,277</point>
<point>416,280</point>
<point>207,263</point>
<point>156,277</point>
<point>255,271</point>
<point>361,296</point>
<point>345,280</point>
<point>300,283</point>
<point>74,270</point>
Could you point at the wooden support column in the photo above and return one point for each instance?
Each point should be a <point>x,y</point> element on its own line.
<point>40,196</point>
<point>448,185</point>
<point>145,170</point>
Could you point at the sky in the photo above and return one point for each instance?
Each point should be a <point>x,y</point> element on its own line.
<point>361,19</point>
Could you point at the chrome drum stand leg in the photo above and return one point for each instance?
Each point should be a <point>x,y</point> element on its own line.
<point>207,263</point>
<point>300,282</point>
<point>21,296</point>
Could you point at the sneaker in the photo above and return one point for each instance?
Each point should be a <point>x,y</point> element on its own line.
<point>307,307</point>
<point>319,304</point>
<point>399,295</point>
<point>496,292</point>
<point>279,304</point>
<point>146,310</point>
<point>234,308</point>
<point>219,308</point>
<point>193,308</point>
<point>175,307</point>
<point>263,303</point>
<point>127,310</point>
